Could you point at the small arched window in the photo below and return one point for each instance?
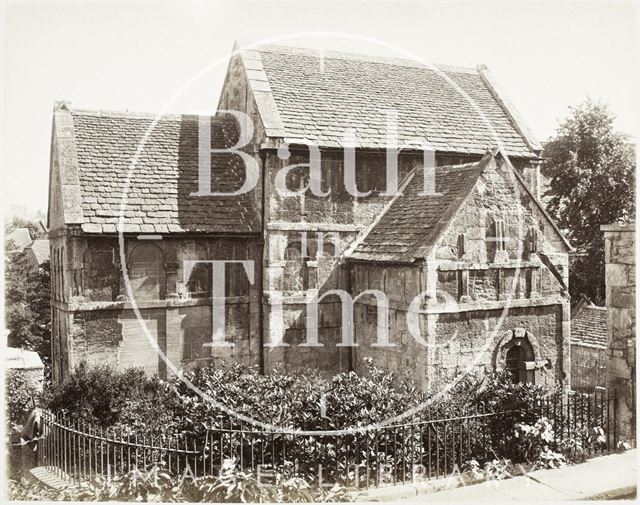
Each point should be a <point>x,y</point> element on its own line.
<point>99,275</point>
<point>146,272</point>
<point>293,251</point>
<point>199,283</point>
<point>294,271</point>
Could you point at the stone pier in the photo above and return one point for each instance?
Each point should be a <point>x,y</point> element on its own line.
<point>621,302</point>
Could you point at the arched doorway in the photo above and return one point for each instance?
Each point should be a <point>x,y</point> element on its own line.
<point>517,363</point>
<point>517,353</point>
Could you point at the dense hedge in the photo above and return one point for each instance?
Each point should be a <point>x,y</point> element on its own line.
<point>130,400</point>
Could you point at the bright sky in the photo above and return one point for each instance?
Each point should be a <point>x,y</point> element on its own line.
<point>135,56</point>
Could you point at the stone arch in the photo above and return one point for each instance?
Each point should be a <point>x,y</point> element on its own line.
<point>518,337</point>
<point>147,273</point>
<point>293,272</point>
<point>100,276</point>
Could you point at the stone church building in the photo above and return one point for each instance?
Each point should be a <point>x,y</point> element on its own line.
<point>475,274</point>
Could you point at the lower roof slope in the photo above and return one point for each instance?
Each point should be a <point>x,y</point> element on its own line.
<point>165,173</point>
<point>413,221</point>
<point>589,325</point>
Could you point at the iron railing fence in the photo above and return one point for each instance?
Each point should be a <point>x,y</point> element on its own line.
<point>421,448</point>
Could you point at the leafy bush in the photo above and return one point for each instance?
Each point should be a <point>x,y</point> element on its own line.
<point>534,439</point>
<point>19,395</point>
<point>135,404</point>
<point>105,396</point>
<point>517,404</point>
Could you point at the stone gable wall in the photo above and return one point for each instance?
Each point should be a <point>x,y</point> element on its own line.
<point>477,302</point>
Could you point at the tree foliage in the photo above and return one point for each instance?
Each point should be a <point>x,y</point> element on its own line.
<point>27,302</point>
<point>591,169</point>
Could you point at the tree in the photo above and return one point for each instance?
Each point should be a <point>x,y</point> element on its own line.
<point>27,303</point>
<point>591,169</point>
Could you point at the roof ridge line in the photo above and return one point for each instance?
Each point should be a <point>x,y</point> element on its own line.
<point>134,114</point>
<point>371,58</point>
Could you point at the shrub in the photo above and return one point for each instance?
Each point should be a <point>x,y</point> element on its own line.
<point>103,395</point>
<point>21,397</point>
<point>136,404</point>
<point>518,406</point>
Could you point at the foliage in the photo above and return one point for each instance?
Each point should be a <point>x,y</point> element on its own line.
<point>592,177</point>
<point>549,459</point>
<point>156,485</point>
<point>35,230</point>
<point>105,396</point>
<point>576,447</point>
<point>19,394</point>
<point>534,439</point>
<point>495,469</point>
<point>27,302</point>
<point>134,403</point>
<point>517,402</point>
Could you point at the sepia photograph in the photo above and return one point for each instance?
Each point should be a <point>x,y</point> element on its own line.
<point>319,251</point>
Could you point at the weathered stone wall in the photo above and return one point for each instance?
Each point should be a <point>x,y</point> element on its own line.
<point>621,300</point>
<point>306,235</point>
<point>320,228</point>
<point>459,339</point>
<point>478,301</point>
<point>97,322</point>
<point>588,367</point>
<point>471,342</point>
<point>404,354</point>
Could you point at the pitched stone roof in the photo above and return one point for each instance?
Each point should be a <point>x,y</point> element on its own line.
<point>306,94</point>
<point>413,221</point>
<point>589,325</point>
<point>159,192</point>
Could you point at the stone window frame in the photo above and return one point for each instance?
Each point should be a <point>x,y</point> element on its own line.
<point>533,239</point>
<point>496,239</point>
<point>299,262</point>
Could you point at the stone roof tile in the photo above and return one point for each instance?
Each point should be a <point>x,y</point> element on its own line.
<point>589,327</point>
<point>452,108</point>
<point>413,221</point>
<point>159,192</point>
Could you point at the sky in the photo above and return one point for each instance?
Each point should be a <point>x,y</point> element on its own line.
<point>153,56</point>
